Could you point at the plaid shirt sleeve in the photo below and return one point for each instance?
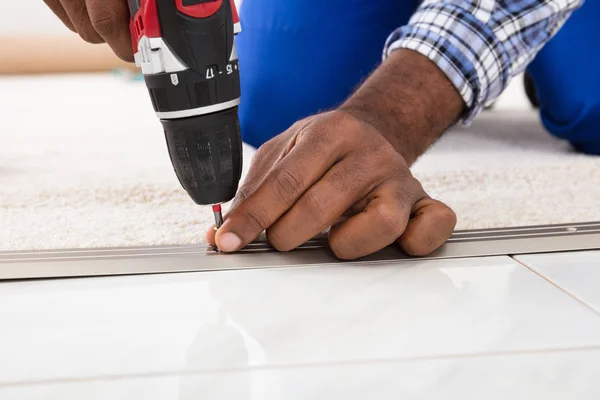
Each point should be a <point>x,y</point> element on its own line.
<point>481,44</point>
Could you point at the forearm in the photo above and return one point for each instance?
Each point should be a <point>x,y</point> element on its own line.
<point>409,100</point>
<point>452,59</point>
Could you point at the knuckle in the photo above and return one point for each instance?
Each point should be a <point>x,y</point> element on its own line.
<point>243,194</point>
<point>266,153</point>
<point>264,149</point>
<point>379,155</point>
<point>326,131</point>
<point>348,120</point>
<point>104,19</point>
<point>259,158</point>
<point>301,125</point>
<point>287,185</point>
<point>79,16</point>
<point>268,145</point>
<point>390,221</point>
<point>319,136</point>
<point>389,159</point>
<point>87,33</point>
<point>407,190</point>
<point>317,205</point>
<point>257,217</point>
<point>388,152</point>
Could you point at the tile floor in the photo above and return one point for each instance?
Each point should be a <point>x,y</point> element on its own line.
<point>576,273</point>
<point>490,328</point>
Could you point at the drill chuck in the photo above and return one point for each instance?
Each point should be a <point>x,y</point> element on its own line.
<point>206,153</point>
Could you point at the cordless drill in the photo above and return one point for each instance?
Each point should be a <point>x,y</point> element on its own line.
<point>186,50</point>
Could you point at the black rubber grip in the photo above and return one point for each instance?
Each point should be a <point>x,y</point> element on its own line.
<point>206,152</point>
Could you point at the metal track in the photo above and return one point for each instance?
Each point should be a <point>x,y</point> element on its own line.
<point>188,258</point>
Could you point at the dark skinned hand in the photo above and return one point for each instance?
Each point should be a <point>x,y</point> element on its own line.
<point>97,21</point>
<point>334,170</point>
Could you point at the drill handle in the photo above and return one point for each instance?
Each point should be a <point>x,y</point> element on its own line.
<point>200,35</point>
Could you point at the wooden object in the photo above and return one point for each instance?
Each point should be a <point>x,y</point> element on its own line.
<point>55,54</point>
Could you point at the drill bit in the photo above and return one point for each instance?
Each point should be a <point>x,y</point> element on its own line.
<point>218,215</point>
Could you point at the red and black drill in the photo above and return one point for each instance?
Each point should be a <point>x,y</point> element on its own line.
<point>186,50</point>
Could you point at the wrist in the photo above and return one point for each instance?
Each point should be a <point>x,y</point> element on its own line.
<point>409,100</point>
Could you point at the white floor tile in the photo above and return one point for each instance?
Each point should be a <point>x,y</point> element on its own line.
<point>282,317</point>
<point>548,376</point>
<point>577,273</point>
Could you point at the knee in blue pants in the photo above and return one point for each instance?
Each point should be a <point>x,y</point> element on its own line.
<point>581,124</point>
<point>566,73</point>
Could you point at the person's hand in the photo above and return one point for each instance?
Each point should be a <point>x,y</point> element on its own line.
<point>97,21</point>
<point>334,170</point>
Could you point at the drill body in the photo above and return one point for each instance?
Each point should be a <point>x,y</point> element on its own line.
<point>186,50</point>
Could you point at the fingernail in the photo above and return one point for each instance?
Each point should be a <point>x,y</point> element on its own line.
<point>229,242</point>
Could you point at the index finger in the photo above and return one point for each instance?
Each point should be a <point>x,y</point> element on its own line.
<point>110,18</point>
<point>283,185</point>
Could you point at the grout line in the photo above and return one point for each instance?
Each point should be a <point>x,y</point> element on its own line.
<point>555,284</point>
<point>273,367</point>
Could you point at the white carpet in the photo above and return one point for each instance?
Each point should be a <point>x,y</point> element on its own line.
<point>83,164</point>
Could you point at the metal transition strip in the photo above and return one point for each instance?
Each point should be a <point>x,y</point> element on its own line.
<point>201,257</point>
